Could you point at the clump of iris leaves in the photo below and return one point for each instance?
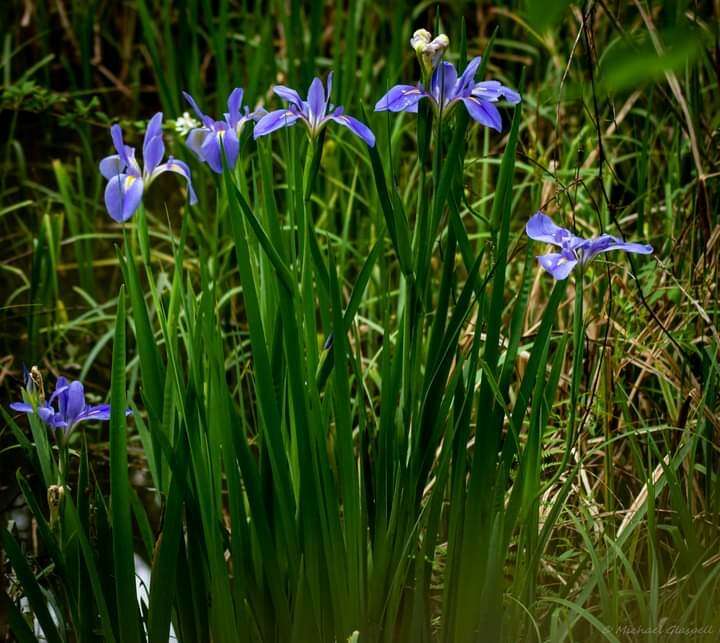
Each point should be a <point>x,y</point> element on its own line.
<point>367,468</point>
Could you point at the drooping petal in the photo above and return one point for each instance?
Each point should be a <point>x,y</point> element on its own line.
<point>493,90</point>
<point>22,407</point>
<point>196,138</point>
<point>606,242</point>
<point>483,112</point>
<point>235,106</point>
<point>153,152</point>
<point>442,83</point>
<point>181,168</point>
<point>356,127</point>
<point>510,95</point>
<point>316,102</point>
<point>558,264</point>
<point>75,401</point>
<point>111,166</point>
<point>257,114</point>
<point>123,195</point>
<point>467,78</point>
<point>98,412</point>
<point>274,121</point>
<point>290,95</point>
<point>401,98</point>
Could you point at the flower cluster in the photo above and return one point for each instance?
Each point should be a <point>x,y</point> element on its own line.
<point>66,407</point>
<point>315,113</point>
<point>217,142</point>
<point>127,181</point>
<point>574,250</point>
<point>446,89</point>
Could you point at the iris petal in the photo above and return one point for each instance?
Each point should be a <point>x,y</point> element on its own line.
<point>401,98</point>
<point>206,120</point>
<point>558,264</point>
<point>316,102</point>
<point>195,140</point>
<point>274,121</point>
<point>290,95</point>
<point>111,166</point>
<point>21,407</point>
<point>75,401</point>
<point>356,127</point>
<point>153,152</point>
<point>442,83</point>
<point>123,195</point>
<point>541,227</point>
<point>154,129</point>
<point>467,78</point>
<point>606,242</point>
<point>483,112</point>
<point>234,106</point>
<point>178,167</point>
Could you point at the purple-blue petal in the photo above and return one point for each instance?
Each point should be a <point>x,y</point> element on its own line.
<point>235,106</point>
<point>558,264</point>
<point>467,78</point>
<point>401,98</point>
<point>98,412</point>
<point>442,83</point>
<point>206,120</point>
<point>541,227</point>
<point>48,416</point>
<point>178,167</point>
<point>356,127</point>
<point>211,151</point>
<point>75,401</point>
<point>493,90</point>
<point>153,152</point>
<point>111,166</point>
<point>154,129</point>
<point>22,407</point>
<point>196,138</point>
<point>289,95</point>
<point>316,101</point>
<point>274,121</point>
<point>606,242</point>
<point>231,145</point>
<point>123,195</point>
<point>483,112</point>
<point>120,147</point>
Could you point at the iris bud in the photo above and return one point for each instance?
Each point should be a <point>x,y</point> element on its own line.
<point>428,50</point>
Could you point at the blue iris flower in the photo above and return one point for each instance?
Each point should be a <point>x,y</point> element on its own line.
<point>66,407</point>
<point>448,90</point>
<point>127,181</point>
<point>573,250</point>
<point>209,140</point>
<point>315,113</point>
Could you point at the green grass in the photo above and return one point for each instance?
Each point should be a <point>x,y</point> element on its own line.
<point>362,412</point>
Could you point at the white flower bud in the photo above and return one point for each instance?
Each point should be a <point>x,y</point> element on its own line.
<point>419,39</point>
<point>435,50</point>
<point>429,51</point>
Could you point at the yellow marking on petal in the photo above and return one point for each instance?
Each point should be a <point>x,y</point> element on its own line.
<point>129,180</point>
